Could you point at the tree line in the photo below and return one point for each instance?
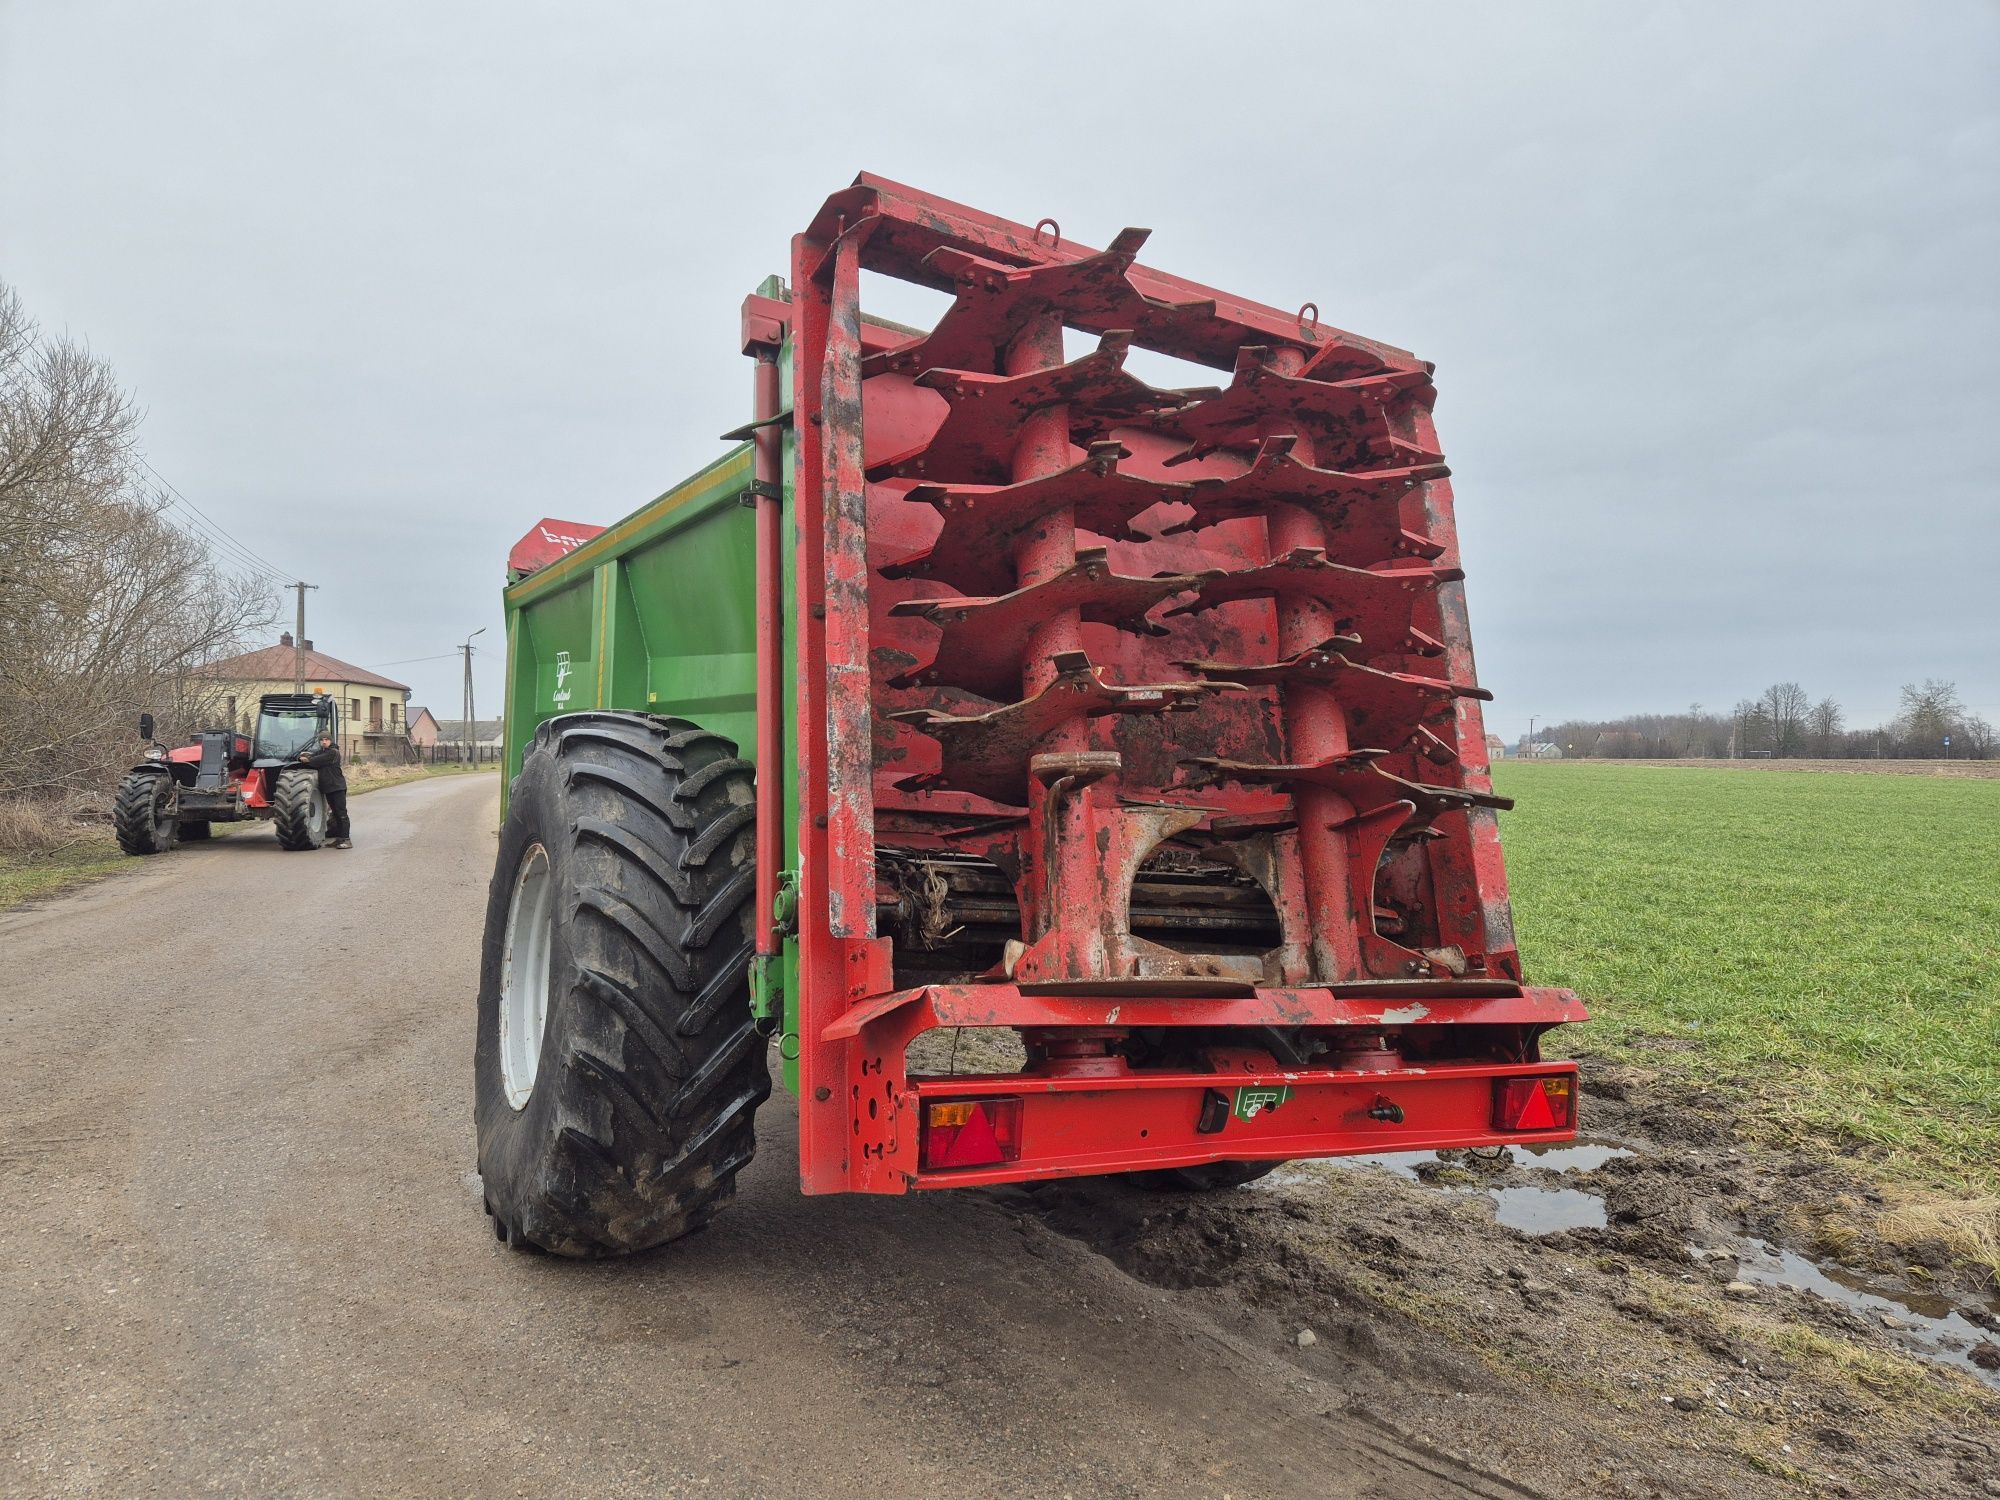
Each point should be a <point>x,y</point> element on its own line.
<point>107,606</point>
<point>1785,722</point>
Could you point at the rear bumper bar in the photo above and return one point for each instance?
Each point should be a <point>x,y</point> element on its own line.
<point>1145,1119</point>
<point>1081,1127</point>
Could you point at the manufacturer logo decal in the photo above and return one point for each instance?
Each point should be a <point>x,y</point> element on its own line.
<point>567,543</point>
<point>1252,1100</point>
<point>561,696</point>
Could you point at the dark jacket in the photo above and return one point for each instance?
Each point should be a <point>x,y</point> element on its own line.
<point>326,761</point>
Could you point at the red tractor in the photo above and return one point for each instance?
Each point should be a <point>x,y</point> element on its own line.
<point>221,776</point>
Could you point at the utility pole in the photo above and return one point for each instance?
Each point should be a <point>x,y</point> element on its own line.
<point>1531,736</point>
<point>299,640</point>
<point>468,737</point>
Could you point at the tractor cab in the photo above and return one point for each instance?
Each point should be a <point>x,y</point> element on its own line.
<point>290,722</point>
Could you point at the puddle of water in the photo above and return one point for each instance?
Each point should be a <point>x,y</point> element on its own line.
<point>1533,1210</point>
<point>1584,1154</point>
<point>1547,1210</point>
<point>1931,1327</point>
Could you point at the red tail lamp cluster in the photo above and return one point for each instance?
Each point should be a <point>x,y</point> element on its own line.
<point>971,1133</point>
<point>1544,1103</point>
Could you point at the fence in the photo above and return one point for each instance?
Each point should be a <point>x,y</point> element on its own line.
<point>457,754</point>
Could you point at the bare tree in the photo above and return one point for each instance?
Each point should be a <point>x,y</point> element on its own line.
<point>1930,711</point>
<point>1786,705</point>
<point>106,606</point>
<point>1750,729</point>
<point>1823,723</point>
<point>1752,732</point>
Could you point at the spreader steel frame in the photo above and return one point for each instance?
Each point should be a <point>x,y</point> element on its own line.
<point>866,478</point>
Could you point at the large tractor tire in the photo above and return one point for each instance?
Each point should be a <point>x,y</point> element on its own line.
<point>617,1067</point>
<point>299,808</point>
<point>143,815</point>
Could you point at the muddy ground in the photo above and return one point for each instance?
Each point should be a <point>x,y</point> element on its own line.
<point>1656,1353</point>
<point>241,1253</point>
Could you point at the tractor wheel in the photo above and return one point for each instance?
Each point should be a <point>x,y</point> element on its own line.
<point>1208,1177</point>
<point>300,810</point>
<point>143,815</point>
<point>195,833</point>
<point>617,1067</point>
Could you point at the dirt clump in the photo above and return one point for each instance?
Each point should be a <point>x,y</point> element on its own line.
<point>1623,1359</point>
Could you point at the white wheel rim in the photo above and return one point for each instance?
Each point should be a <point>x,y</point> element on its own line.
<point>524,975</point>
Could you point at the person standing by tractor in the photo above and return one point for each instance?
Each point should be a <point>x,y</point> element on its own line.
<point>325,759</point>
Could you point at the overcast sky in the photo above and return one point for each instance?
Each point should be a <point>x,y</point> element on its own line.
<point>1711,289</point>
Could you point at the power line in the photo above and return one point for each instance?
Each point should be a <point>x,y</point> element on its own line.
<point>229,551</point>
<point>219,542</point>
<point>219,534</point>
<point>407,660</point>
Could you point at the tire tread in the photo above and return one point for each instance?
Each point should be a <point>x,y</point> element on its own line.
<point>657,1066</point>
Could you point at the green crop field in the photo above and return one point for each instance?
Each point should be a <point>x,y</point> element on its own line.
<point>1832,941</point>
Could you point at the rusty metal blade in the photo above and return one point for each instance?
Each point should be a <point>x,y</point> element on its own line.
<point>984,639</point>
<point>1356,777</point>
<point>987,754</point>
<point>1345,416</point>
<point>975,441</point>
<point>1372,608</point>
<point>995,301</point>
<point>974,551</point>
<point>1387,707</point>
<point>1360,510</point>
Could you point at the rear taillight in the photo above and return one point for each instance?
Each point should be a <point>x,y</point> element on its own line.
<point>971,1132</point>
<point>1535,1103</point>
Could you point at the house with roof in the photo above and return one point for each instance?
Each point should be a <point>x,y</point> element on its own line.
<point>423,727</point>
<point>374,710</point>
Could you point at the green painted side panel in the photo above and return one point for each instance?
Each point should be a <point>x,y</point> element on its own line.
<point>657,614</point>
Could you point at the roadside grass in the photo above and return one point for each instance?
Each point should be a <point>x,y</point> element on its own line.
<point>87,851</point>
<point>1829,944</point>
<point>25,876</point>
<point>373,778</point>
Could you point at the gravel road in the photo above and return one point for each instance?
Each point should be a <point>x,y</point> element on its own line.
<point>241,1250</point>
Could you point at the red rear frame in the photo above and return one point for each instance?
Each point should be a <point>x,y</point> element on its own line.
<point>1328,740</point>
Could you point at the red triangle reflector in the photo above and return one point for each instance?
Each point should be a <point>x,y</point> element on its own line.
<point>1547,1102</point>
<point>973,1143</point>
<point>982,1133</point>
<point>1536,1114</point>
